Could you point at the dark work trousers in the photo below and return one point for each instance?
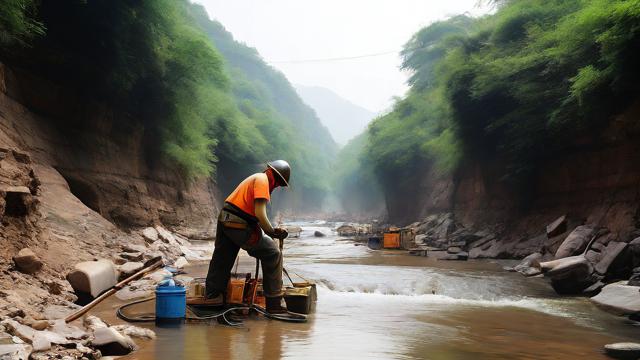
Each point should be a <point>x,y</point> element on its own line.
<point>228,243</point>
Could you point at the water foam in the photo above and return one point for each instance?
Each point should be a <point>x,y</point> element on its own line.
<point>547,306</point>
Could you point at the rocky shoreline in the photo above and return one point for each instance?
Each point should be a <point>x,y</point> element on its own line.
<point>34,327</point>
<point>577,258</point>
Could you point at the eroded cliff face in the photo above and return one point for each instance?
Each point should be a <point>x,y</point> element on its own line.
<point>594,180</point>
<point>88,156</point>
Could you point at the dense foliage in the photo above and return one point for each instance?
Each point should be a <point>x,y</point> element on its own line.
<point>511,87</point>
<point>206,102</point>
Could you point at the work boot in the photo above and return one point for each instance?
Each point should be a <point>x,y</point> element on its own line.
<point>214,300</point>
<point>274,305</point>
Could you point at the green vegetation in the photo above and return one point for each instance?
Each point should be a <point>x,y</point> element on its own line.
<point>210,105</point>
<point>17,24</point>
<point>510,88</point>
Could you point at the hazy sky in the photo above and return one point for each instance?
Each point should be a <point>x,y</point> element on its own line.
<point>294,30</point>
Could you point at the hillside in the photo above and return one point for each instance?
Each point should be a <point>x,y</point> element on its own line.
<point>516,118</point>
<point>344,119</point>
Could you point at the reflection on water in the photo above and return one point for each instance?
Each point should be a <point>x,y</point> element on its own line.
<point>388,305</point>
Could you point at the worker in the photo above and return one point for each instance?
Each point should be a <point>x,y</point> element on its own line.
<point>243,223</point>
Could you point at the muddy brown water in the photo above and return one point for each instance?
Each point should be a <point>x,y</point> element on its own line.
<point>389,305</point>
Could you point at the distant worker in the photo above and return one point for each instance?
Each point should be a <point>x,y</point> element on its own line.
<point>241,223</point>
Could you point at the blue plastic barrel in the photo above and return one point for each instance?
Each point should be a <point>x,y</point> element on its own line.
<point>171,303</point>
<point>375,243</point>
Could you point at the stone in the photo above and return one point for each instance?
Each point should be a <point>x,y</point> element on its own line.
<point>318,234</point>
<point>132,256</point>
<point>40,324</point>
<point>15,351</point>
<point>27,262</point>
<point>453,250</point>
<point>165,235</point>
<point>68,331</point>
<point>462,255</point>
<point>93,277</point>
<point>576,242</point>
<point>626,350</point>
<point>569,275</point>
<point>530,265</point>
<point>557,227</point>
<point>634,251</point>
<point>181,262</point>
<point>53,312</point>
<point>111,343</point>
<point>134,331</point>
<point>134,248</point>
<point>158,275</point>
<point>420,239</point>
<point>40,342</point>
<point>618,298</point>
<point>150,234</point>
<point>127,269</point>
<point>609,255</point>
<point>634,280</point>
<point>93,323</point>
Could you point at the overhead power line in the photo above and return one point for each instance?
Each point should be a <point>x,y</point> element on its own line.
<point>334,59</point>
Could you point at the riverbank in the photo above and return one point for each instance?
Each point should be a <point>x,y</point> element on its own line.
<point>388,304</point>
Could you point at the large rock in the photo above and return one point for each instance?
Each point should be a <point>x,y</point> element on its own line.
<point>634,252</point>
<point>165,235</point>
<point>93,277</point>
<point>150,234</point>
<point>576,242</point>
<point>557,227</point>
<point>609,255</point>
<point>111,343</point>
<point>627,350</point>
<point>27,262</point>
<point>127,269</point>
<point>569,275</point>
<point>318,234</point>
<point>634,280</point>
<point>619,298</point>
<point>15,351</point>
<point>530,265</point>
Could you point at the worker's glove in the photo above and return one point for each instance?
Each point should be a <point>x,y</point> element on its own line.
<point>280,233</point>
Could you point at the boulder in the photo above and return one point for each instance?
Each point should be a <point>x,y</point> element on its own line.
<point>165,235</point>
<point>15,351</point>
<point>93,323</point>
<point>150,234</point>
<point>40,325</point>
<point>453,250</point>
<point>618,298</point>
<point>111,343</point>
<point>576,242</point>
<point>318,234</point>
<point>634,280</point>
<point>27,262</point>
<point>68,331</point>
<point>420,239</point>
<point>557,227</point>
<point>610,253</point>
<point>634,251</point>
<point>626,350</point>
<point>530,265</point>
<point>132,256</point>
<point>93,277</point>
<point>127,269</point>
<point>181,262</point>
<point>569,275</point>
<point>40,342</point>
<point>134,248</point>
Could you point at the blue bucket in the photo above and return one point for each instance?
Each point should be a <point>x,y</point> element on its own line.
<point>171,303</point>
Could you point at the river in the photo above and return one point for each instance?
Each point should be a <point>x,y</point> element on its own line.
<point>389,305</point>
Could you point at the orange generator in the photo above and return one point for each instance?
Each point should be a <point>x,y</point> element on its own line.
<point>391,240</point>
